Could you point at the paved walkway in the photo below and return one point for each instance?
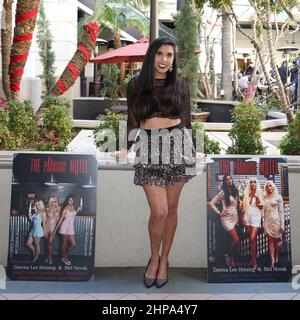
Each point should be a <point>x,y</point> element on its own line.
<point>126,284</point>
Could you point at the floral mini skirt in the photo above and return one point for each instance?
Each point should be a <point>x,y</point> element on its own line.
<point>164,156</point>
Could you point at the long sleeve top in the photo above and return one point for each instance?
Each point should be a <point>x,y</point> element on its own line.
<point>185,110</point>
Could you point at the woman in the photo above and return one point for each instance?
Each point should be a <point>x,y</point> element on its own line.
<point>158,99</point>
<point>229,197</point>
<point>37,231</point>
<point>252,212</point>
<point>66,224</point>
<point>273,219</point>
<point>53,215</point>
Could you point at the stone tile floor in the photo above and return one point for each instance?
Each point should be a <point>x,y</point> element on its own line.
<point>126,284</point>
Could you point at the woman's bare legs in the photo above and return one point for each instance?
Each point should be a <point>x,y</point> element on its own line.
<point>33,243</point>
<point>30,245</point>
<point>72,241</point>
<point>157,200</point>
<point>64,247</point>
<point>49,248</point>
<point>271,249</point>
<point>252,239</point>
<point>36,241</point>
<point>173,194</point>
<point>234,242</point>
<point>277,245</point>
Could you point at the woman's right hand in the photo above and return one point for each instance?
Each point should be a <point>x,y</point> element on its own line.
<point>51,237</point>
<point>120,154</point>
<point>244,221</point>
<point>223,213</point>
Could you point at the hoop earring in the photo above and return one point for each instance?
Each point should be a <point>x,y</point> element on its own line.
<point>171,69</point>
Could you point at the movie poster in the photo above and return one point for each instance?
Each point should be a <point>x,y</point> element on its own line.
<point>248,216</point>
<point>52,217</point>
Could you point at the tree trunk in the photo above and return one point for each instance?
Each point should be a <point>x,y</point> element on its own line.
<point>6,40</point>
<point>206,80</point>
<point>281,92</point>
<point>118,44</point>
<point>298,92</point>
<point>179,5</point>
<point>258,49</point>
<point>237,91</point>
<point>226,55</point>
<point>26,13</point>
<point>80,59</point>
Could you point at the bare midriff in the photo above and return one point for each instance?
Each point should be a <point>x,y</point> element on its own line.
<point>157,123</point>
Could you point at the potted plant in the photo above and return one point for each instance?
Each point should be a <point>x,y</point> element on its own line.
<point>245,133</point>
<point>199,115</point>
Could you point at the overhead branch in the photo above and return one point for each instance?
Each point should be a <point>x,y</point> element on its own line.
<point>288,12</point>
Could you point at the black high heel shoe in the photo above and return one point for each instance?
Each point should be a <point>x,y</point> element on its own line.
<point>161,282</point>
<point>147,281</point>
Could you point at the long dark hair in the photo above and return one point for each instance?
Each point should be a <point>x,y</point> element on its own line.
<point>232,191</point>
<point>67,201</point>
<point>142,86</point>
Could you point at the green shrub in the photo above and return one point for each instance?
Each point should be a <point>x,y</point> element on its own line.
<point>186,38</point>
<point>107,135</point>
<point>210,146</point>
<point>245,133</point>
<point>272,104</point>
<point>56,128</point>
<point>290,144</point>
<point>111,86</point>
<point>6,139</point>
<point>22,122</point>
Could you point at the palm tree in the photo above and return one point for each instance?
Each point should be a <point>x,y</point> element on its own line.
<point>6,39</point>
<point>119,15</point>
<point>82,55</point>
<point>26,13</point>
<point>227,63</point>
<point>298,89</point>
<point>227,43</point>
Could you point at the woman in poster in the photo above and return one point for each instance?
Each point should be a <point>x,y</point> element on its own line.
<point>66,224</point>
<point>37,216</point>
<point>273,219</point>
<point>251,215</point>
<point>53,215</point>
<point>158,99</point>
<point>229,198</point>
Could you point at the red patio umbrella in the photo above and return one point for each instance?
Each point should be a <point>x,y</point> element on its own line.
<point>134,52</point>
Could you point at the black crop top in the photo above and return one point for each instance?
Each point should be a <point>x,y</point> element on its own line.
<point>184,115</point>
<point>157,112</point>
